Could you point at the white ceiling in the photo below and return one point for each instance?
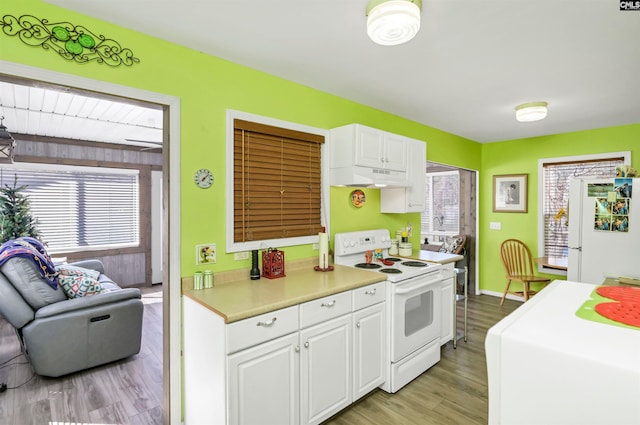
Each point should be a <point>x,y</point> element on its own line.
<point>471,63</point>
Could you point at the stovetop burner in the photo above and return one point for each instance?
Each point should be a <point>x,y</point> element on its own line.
<point>368,266</point>
<point>394,259</point>
<point>390,271</point>
<point>414,264</point>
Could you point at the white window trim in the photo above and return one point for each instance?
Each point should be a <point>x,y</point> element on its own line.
<point>36,166</point>
<point>324,206</point>
<point>598,156</point>
<point>439,234</point>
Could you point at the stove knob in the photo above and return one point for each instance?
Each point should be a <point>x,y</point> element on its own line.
<point>352,243</point>
<point>345,244</point>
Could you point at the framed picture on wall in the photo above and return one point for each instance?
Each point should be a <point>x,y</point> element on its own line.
<point>510,193</point>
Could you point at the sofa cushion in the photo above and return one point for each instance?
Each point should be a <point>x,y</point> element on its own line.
<point>79,282</point>
<point>27,280</point>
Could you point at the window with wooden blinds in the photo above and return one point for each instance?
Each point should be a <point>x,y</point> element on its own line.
<point>556,176</point>
<point>277,182</point>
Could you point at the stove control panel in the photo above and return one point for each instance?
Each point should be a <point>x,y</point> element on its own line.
<point>359,242</point>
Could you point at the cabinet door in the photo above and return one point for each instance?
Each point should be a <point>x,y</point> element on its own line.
<point>394,154</point>
<point>263,383</point>
<point>325,369</point>
<point>416,193</point>
<point>369,147</point>
<point>369,349</point>
<point>448,308</point>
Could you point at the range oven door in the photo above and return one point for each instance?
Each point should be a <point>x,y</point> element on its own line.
<point>415,313</point>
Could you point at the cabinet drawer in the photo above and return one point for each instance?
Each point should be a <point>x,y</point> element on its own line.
<point>369,295</point>
<point>323,309</point>
<point>258,329</point>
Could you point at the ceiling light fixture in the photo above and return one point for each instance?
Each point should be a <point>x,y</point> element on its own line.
<point>391,22</point>
<point>7,144</point>
<point>532,111</point>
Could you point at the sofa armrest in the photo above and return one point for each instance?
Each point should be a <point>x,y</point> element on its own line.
<point>89,264</point>
<point>77,304</point>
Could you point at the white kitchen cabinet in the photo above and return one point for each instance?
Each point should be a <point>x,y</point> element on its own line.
<point>264,383</point>
<point>356,144</point>
<point>448,304</point>
<point>325,369</point>
<point>289,366</point>
<point>412,198</point>
<point>369,349</point>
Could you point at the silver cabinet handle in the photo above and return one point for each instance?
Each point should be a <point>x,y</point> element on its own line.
<point>306,344</point>
<point>267,323</point>
<point>371,292</point>
<point>358,325</point>
<point>331,304</point>
<point>297,348</point>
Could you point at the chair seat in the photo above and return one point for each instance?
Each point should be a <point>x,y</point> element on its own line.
<point>529,278</point>
<point>518,264</point>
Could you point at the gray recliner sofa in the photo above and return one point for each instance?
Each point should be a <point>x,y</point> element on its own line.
<point>61,335</point>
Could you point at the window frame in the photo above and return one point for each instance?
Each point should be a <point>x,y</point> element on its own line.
<point>88,169</point>
<point>232,246</point>
<point>574,158</point>
<point>429,232</point>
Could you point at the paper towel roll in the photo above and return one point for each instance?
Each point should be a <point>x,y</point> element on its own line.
<point>323,246</point>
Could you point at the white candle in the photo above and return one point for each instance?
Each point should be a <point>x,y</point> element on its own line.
<point>323,246</point>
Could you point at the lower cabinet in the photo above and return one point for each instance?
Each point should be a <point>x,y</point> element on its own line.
<point>263,383</point>
<point>325,369</point>
<point>448,305</point>
<point>369,349</point>
<point>298,365</point>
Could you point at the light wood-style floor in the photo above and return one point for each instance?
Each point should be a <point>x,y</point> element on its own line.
<point>454,391</point>
<point>125,392</point>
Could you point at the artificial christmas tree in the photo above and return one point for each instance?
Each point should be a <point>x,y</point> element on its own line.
<point>15,213</point>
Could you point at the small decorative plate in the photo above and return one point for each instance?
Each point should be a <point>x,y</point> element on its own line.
<point>358,198</point>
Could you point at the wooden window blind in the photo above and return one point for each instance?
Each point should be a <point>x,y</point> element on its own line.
<point>277,182</point>
<point>556,180</point>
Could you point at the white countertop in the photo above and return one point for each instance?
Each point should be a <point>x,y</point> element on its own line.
<point>547,365</point>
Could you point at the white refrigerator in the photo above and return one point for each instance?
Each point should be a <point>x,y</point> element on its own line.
<point>604,229</point>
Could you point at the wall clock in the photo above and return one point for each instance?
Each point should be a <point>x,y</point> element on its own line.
<point>203,178</point>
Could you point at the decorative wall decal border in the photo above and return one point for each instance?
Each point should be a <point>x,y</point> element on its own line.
<point>72,42</point>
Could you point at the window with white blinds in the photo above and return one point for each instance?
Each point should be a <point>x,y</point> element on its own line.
<point>442,213</point>
<point>81,209</point>
<point>556,176</point>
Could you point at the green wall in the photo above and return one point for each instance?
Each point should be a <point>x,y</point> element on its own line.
<point>207,86</point>
<point>521,157</point>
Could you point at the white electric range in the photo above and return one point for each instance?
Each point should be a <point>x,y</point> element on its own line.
<point>413,302</point>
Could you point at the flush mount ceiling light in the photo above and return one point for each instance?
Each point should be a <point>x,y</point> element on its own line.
<point>391,22</point>
<point>532,111</point>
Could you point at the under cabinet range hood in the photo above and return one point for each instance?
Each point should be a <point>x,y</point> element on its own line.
<point>357,176</point>
<point>362,156</point>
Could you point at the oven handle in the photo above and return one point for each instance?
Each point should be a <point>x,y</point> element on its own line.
<point>405,290</point>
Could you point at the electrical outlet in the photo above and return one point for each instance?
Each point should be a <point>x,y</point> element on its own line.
<point>495,225</point>
<point>241,256</point>
<point>316,246</point>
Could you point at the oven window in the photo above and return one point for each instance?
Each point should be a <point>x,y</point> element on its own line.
<point>418,313</point>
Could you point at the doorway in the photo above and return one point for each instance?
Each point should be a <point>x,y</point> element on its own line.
<point>169,255</point>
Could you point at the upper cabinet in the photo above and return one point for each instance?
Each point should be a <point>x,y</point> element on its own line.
<point>367,157</point>
<point>412,198</point>
<point>377,148</point>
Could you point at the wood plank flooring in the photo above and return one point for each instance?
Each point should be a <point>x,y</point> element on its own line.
<point>125,392</point>
<point>452,392</point>
<point>129,392</point>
